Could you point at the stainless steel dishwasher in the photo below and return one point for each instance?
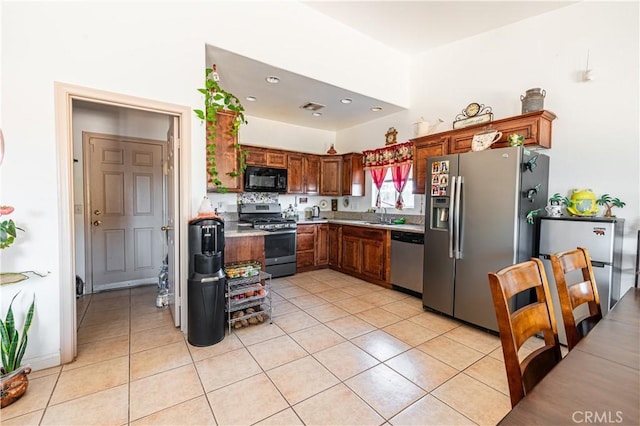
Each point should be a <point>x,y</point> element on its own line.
<point>407,260</point>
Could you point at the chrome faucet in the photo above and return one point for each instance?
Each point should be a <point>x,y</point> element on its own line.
<point>383,215</point>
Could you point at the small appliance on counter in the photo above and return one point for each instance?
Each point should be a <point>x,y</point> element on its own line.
<point>315,212</point>
<point>206,283</point>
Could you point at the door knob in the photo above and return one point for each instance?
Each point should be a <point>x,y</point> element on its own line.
<point>97,223</point>
<point>97,212</point>
<point>166,228</point>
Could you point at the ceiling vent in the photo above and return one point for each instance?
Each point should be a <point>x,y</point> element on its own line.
<point>312,106</point>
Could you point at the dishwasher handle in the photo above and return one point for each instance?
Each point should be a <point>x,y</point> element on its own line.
<point>408,237</point>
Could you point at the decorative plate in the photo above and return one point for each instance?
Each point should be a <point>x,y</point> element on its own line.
<point>323,204</point>
<point>345,201</point>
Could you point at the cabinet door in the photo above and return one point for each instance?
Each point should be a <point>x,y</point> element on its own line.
<point>322,244</point>
<point>255,156</point>
<point>226,154</point>
<point>277,159</point>
<point>335,246</point>
<point>305,246</point>
<point>244,249</point>
<point>351,253</point>
<point>306,235</point>
<point>352,175</point>
<point>311,174</point>
<point>295,177</point>
<point>373,259</point>
<point>330,176</point>
<point>423,149</point>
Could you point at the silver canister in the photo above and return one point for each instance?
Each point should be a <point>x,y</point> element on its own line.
<point>533,100</point>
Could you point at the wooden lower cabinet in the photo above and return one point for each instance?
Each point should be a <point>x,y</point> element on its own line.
<point>243,249</point>
<point>335,245</point>
<point>312,247</point>
<point>365,253</point>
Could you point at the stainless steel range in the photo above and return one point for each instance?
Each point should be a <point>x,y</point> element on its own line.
<point>280,244</point>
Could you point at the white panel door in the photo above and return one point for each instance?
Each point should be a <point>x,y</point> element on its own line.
<point>126,210</point>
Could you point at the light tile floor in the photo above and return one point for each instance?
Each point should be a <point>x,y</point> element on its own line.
<point>339,351</point>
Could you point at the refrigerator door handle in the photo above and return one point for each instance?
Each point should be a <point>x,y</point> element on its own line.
<point>451,215</point>
<point>458,182</point>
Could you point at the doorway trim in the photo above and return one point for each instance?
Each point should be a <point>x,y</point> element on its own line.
<point>65,94</point>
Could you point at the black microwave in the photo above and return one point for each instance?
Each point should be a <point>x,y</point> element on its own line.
<point>265,179</point>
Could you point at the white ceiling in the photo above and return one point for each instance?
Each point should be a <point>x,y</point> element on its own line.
<point>407,26</point>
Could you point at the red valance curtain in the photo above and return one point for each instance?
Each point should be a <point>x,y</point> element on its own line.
<point>399,157</point>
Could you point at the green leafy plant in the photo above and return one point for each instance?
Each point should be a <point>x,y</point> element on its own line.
<point>609,202</point>
<point>531,214</point>
<point>217,99</point>
<point>558,199</point>
<point>14,344</point>
<point>8,228</point>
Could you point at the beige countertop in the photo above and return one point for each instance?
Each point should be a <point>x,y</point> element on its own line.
<point>232,230</point>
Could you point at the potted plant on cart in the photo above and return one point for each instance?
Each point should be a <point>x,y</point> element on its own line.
<point>14,344</point>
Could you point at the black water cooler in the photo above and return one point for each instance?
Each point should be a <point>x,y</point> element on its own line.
<point>206,284</point>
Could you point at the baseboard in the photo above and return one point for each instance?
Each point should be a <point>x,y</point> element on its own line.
<point>43,362</point>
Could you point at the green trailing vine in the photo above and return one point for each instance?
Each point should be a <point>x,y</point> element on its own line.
<point>216,99</point>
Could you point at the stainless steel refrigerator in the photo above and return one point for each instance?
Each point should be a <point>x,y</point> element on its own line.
<point>602,236</point>
<point>475,223</point>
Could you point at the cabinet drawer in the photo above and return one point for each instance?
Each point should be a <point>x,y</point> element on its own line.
<point>305,259</point>
<point>364,233</point>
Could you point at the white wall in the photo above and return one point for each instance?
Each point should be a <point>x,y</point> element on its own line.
<point>596,135</point>
<point>153,50</point>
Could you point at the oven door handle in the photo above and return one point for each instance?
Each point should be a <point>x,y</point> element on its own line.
<point>281,231</point>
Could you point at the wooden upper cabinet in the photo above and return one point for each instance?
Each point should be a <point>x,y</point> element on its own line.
<point>330,175</point>
<point>257,156</point>
<point>311,174</point>
<point>226,154</point>
<point>423,148</point>
<point>353,175</point>
<point>295,178</point>
<point>303,173</point>
<point>534,126</point>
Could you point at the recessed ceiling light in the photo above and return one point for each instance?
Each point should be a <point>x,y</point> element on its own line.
<point>272,79</point>
<point>376,109</point>
<point>346,100</point>
<point>251,98</point>
<point>316,114</point>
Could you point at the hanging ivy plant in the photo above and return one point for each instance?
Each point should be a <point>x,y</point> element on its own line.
<point>216,99</point>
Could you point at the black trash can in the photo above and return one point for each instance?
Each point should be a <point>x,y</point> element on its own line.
<point>206,283</point>
<point>206,316</point>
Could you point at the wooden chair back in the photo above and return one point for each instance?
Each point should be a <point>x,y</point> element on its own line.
<point>573,295</point>
<point>518,326</point>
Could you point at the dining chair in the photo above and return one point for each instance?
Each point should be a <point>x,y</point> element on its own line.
<point>573,295</point>
<point>517,326</point>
